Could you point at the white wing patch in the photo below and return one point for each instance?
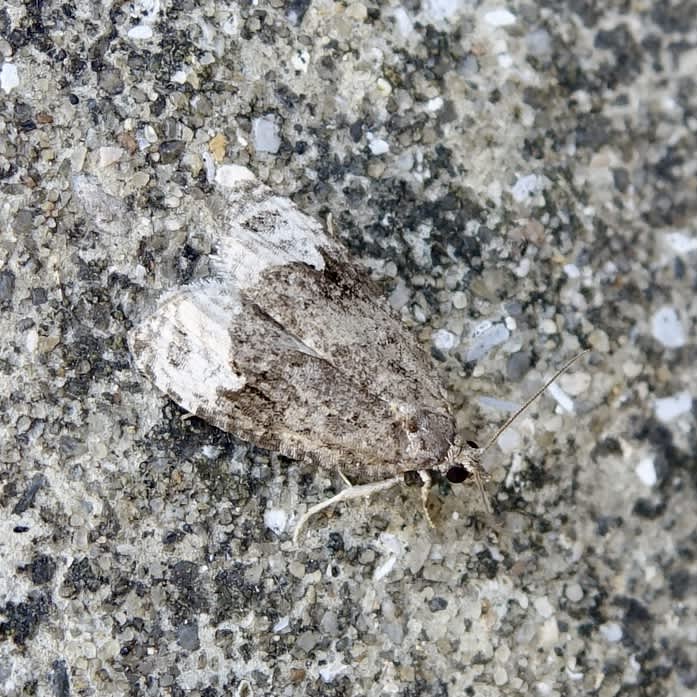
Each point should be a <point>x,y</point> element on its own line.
<point>262,230</point>
<point>186,346</point>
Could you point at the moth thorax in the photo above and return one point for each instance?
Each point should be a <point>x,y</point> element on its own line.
<point>428,436</point>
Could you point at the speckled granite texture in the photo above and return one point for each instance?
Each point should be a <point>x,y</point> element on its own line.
<point>521,178</point>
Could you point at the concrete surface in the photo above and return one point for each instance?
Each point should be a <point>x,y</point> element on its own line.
<point>521,179</point>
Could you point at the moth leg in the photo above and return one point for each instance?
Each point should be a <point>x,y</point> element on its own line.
<point>344,478</point>
<point>352,492</point>
<point>427,484</point>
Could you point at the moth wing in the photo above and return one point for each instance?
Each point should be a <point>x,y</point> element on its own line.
<point>282,260</point>
<point>231,364</point>
<point>291,346</point>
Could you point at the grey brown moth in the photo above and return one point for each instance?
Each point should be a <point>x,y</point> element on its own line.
<point>291,346</point>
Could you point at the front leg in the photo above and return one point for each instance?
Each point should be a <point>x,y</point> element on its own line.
<point>426,486</point>
<point>354,491</point>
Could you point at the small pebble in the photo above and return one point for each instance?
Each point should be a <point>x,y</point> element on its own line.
<point>517,365</point>
<point>509,440</point>
<point>459,300</point>
<point>574,592</point>
<point>539,42</point>
<point>231,175</point>
<point>444,340</point>
<point>384,569</point>
<point>548,326</point>
<point>486,335</point>
<point>599,340</point>
<point>276,520</point>
<point>281,624</point>
<point>500,675</point>
<point>437,604</point>
<point>109,156</point>
<point>9,78</point>
<point>357,11</point>
<point>681,243</point>
<point>265,134</point>
<point>378,146</point>
<point>548,633</point>
<point>575,383</point>
<point>562,399</point>
<point>438,10</point>
<point>631,369</point>
<point>502,654</point>
<point>296,569</point>
<point>646,471</point>
<point>140,32</point>
<point>667,328</point>
<point>543,607</point>
<point>611,631</point>
<point>500,17</point>
<point>526,187</point>
<point>669,408</point>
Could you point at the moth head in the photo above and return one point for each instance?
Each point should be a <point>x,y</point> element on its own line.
<point>462,461</point>
<point>463,464</point>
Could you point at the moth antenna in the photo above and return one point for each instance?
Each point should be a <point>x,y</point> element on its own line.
<point>518,412</point>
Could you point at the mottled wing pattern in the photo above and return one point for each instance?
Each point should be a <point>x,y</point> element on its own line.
<point>282,260</point>
<point>292,347</point>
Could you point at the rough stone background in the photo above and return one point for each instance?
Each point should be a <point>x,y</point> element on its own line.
<point>521,178</point>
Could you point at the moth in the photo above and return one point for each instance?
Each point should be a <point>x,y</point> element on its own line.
<point>292,347</point>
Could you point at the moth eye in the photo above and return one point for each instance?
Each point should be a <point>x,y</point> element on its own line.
<point>457,475</point>
<point>472,444</point>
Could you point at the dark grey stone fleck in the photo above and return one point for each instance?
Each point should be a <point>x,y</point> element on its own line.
<point>7,285</point>
<point>42,569</point>
<point>25,323</point>
<point>356,131</point>
<point>336,542</point>
<point>517,366</point>
<point>620,176</point>
<point>171,151</point>
<point>645,508</point>
<point>80,577</point>
<point>27,498</point>
<point>296,9</point>
<point>437,604</point>
<point>307,641</point>
<point>681,582</point>
<point>24,222</point>
<point>72,446</point>
<point>110,81</point>
<point>22,619</point>
<point>38,296</point>
<point>184,574</point>
<point>60,680</point>
<point>187,636</point>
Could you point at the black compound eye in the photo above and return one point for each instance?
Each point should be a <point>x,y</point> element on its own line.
<point>472,444</point>
<point>457,475</point>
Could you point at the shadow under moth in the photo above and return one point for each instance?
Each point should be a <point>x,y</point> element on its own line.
<point>289,345</point>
